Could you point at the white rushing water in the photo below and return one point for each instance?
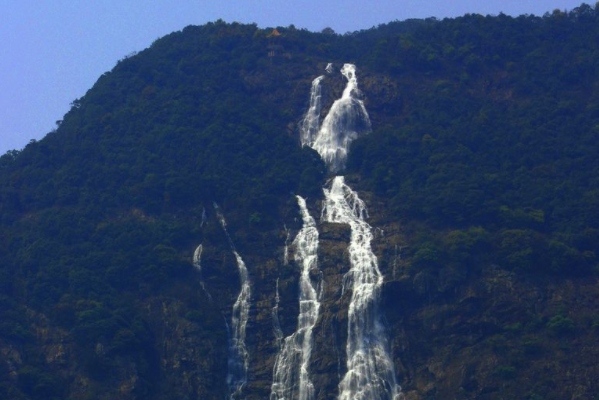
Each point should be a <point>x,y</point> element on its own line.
<point>291,376</point>
<point>197,263</point>
<point>310,124</point>
<point>238,361</point>
<point>276,324</point>
<point>197,258</point>
<point>345,122</point>
<point>286,249</point>
<point>370,373</point>
<point>203,217</point>
<point>238,354</point>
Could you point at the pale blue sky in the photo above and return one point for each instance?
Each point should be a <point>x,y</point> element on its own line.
<point>52,52</point>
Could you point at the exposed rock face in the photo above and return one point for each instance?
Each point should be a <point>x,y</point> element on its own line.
<point>492,337</point>
<point>484,334</point>
<point>330,332</point>
<point>183,354</point>
<point>183,360</point>
<point>453,335</point>
<point>456,331</point>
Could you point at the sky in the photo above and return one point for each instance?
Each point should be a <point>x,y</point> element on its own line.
<point>52,52</point>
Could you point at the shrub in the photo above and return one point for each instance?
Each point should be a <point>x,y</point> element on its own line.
<point>561,325</point>
<point>505,372</point>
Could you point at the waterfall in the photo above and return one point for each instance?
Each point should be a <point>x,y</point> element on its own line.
<point>345,122</point>
<point>370,373</point>
<point>203,217</point>
<point>197,263</point>
<point>311,121</point>
<point>197,258</point>
<point>276,325</point>
<point>238,355</point>
<point>291,375</point>
<point>286,249</point>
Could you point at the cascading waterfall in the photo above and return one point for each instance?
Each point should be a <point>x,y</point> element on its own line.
<point>204,218</point>
<point>345,122</point>
<point>286,249</point>
<point>311,121</point>
<point>197,258</point>
<point>238,355</point>
<point>291,378</point>
<point>276,325</point>
<point>197,263</point>
<point>370,373</point>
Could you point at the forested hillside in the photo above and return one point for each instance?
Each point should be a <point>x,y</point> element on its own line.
<point>480,176</point>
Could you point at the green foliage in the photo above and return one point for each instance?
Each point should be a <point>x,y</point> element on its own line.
<point>486,141</point>
<point>104,211</point>
<point>499,343</point>
<point>39,384</point>
<point>427,256</point>
<point>532,347</point>
<point>561,325</point>
<point>495,127</point>
<point>194,316</point>
<point>506,372</point>
<point>514,328</point>
<point>463,246</point>
<point>534,396</point>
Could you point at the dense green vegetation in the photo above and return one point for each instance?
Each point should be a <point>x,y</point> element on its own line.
<point>500,130</point>
<point>485,145</point>
<point>107,208</point>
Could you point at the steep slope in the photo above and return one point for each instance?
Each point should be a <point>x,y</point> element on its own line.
<point>479,177</point>
<point>103,214</point>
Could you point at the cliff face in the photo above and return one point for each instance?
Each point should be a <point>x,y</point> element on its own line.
<point>479,176</point>
<point>483,333</point>
<point>454,334</point>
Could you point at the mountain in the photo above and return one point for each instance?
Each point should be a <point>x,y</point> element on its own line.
<point>165,239</point>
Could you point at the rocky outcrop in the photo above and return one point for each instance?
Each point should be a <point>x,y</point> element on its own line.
<point>483,334</point>
<point>487,333</point>
<point>330,332</point>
